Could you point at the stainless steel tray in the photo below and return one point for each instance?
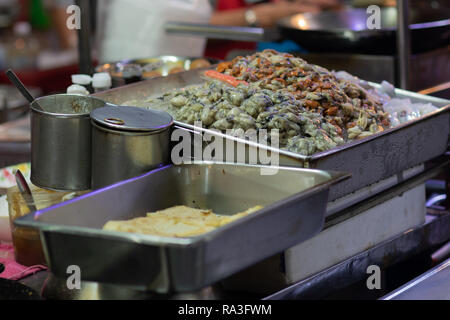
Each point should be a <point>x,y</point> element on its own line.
<point>370,160</point>
<point>294,203</point>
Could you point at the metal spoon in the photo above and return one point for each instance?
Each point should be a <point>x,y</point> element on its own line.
<point>21,87</point>
<point>25,191</point>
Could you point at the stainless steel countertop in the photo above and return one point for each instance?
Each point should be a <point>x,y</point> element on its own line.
<point>432,285</point>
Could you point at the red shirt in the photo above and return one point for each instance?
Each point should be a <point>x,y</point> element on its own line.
<point>219,49</point>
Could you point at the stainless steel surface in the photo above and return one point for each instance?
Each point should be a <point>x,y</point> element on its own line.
<point>123,118</point>
<point>61,142</point>
<point>294,203</point>
<point>403,44</point>
<point>336,206</point>
<point>431,169</point>
<point>149,67</point>
<point>369,160</point>
<point>165,64</point>
<point>221,32</point>
<point>434,232</point>
<point>432,285</point>
<point>334,238</point>
<point>25,191</point>
<point>400,248</point>
<point>129,149</point>
<point>153,87</point>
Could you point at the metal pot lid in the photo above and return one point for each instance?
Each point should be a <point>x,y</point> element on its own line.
<point>132,118</point>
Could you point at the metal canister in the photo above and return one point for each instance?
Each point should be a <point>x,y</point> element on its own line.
<point>61,141</point>
<point>128,142</point>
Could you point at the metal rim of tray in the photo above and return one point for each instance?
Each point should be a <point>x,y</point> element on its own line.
<point>304,158</point>
<point>445,107</point>
<point>31,220</point>
<point>153,88</point>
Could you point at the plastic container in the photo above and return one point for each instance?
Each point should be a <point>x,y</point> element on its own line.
<point>81,80</point>
<point>27,243</point>
<point>77,89</point>
<point>101,81</point>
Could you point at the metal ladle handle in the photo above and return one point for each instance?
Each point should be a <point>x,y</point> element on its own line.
<point>21,87</point>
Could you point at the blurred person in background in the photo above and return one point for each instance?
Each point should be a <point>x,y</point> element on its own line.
<point>130,29</point>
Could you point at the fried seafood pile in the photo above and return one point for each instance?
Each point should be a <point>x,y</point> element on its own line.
<point>343,103</point>
<point>312,109</point>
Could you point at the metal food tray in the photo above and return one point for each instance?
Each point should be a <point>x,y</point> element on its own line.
<point>369,160</point>
<point>294,203</point>
<point>161,64</point>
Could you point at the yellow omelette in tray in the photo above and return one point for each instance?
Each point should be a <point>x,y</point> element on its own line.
<point>179,221</point>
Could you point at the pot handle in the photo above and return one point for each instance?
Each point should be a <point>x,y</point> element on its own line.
<point>216,32</point>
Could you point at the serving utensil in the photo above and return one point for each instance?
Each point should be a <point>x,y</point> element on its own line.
<point>25,191</point>
<point>21,87</point>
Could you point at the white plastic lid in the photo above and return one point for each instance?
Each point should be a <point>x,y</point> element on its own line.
<point>81,79</point>
<point>102,80</point>
<point>77,89</point>
<point>22,28</point>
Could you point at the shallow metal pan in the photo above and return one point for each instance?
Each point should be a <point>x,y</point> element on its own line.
<point>343,31</point>
<point>369,160</point>
<point>347,31</point>
<point>294,203</point>
<point>160,66</point>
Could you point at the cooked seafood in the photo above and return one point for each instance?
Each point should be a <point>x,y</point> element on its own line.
<point>222,107</point>
<point>344,103</point>
<point>179,221</point>
<point>312,109</point>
